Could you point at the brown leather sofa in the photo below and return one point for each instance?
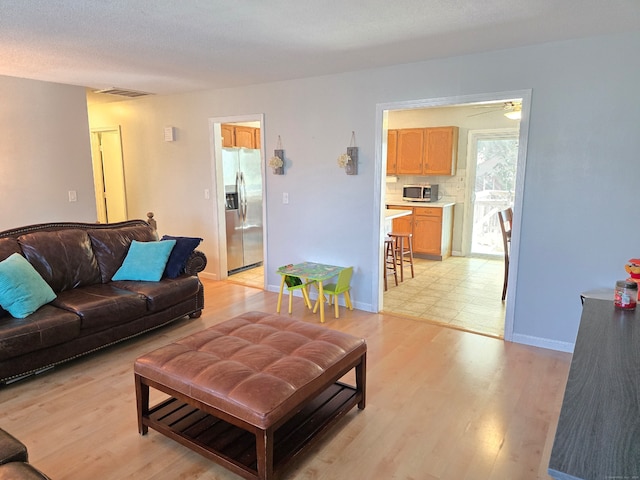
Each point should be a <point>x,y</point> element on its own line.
<point>14,460</point>
<point>78,260</point>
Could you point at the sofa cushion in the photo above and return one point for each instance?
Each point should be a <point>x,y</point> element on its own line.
<point>22,289</point>
<point>163,294</point>
<point>178,259</point>
<point>102,305</point>
<point>111,246</point>
<point>8,246</point>
<point>145,261</point>
<point>64,258</point>
<point>47,327</point>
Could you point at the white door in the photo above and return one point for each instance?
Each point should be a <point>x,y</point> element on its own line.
<point>492,161</point>
<point>108,174</point>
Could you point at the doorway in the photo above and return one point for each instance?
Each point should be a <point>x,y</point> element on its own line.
<point>469,101</point>
<point>108,175</point>
<point>240,206</point>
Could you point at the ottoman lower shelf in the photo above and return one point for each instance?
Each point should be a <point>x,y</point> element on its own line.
<point>234,447</point>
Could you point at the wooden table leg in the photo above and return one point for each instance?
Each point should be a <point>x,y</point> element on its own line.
<point>305,294</point>
<point>264,454</point>
<point>280,294</point>
<point>321,300</point>
<point>142,401</point>
<point>361,381</point>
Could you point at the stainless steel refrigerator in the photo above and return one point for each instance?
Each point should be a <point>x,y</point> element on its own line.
<point>242,175</point>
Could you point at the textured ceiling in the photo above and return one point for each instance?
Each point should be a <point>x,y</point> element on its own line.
<point>169,46</point>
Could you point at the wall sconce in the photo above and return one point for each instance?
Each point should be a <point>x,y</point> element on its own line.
<point>349,160</point>
<point>277,161</point>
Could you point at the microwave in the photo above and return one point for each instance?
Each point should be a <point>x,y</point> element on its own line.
<point>420,193</point>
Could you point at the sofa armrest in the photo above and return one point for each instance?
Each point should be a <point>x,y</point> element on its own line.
<point>196,263</point>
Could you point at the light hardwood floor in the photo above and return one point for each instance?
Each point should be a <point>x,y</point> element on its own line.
<point>441,404</point>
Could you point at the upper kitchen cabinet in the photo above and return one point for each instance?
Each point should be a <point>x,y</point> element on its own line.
<point>440,151</point>
<point>240,136</point>
<point>228,138</point>
<point>245,137</point>
<point>426,151</point>
<point>392,150</point>
<point>410,151</point>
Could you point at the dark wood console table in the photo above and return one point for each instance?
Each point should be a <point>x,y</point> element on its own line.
<point>598,435</point>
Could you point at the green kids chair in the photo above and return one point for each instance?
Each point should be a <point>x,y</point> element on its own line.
<point>343,285</point>
<point>295,283</point>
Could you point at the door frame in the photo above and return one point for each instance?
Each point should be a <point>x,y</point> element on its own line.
<point>217,180</point>
<point>472,164</point>
<point>380,180</point>
<point>98,171</point>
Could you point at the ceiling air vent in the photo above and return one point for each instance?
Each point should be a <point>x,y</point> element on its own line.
<point>122,92</point>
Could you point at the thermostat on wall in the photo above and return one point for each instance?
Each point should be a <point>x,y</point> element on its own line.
<point>169,134</point>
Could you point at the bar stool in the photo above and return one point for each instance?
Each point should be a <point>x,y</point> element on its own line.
<point>389,261</point>
<point>403,251</point>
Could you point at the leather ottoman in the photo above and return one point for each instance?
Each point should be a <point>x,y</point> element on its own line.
<point>252,392</point>
<point>14,458</point>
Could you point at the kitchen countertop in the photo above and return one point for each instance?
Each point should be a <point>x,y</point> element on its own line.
<point>403,203</point>
<point>390,214</point>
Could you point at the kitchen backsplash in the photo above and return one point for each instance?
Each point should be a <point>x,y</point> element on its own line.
<point>450,189</point>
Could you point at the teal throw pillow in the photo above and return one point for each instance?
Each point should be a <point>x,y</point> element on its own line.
<point>22,289</point>
<point>145,261</point>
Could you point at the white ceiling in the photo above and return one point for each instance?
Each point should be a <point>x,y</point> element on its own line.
<point>170,46</point>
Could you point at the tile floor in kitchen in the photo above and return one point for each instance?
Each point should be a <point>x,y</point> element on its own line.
<point>462,292</point>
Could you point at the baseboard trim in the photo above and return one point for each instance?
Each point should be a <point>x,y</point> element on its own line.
<point>543,343</point>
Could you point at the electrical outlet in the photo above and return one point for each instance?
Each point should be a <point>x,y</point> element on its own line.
<point>285,198</point>
<point>73,196</point>
<point>207,195</point>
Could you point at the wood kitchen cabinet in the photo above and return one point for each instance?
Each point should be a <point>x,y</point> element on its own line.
<point>426,151</point>
<point>410,151</point>
<point>228,137</point>
<point>392,147</point>
<point>403,224</point>
<point>240,136</point>
<point>440,151</point>
<point>432,229</point>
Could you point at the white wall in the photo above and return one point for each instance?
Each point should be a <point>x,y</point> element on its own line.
<point>577,231</point>
<point>44,153</point>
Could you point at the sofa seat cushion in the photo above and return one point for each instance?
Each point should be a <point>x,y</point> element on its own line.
<point>64,258</point>
<point>112,244</point>
<point>101,306</point>
<point>162,294</point>
<point>46,327</point>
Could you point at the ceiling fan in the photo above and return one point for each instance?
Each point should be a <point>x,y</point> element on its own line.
<point>511,110</point>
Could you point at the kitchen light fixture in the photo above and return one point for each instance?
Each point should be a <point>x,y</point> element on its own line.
<point>515,113</point>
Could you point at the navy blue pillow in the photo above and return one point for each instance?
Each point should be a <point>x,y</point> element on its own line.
<point>179,255</point>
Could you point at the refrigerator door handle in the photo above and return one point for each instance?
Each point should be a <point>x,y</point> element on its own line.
<point>244,197</point>
<point>239,194</point>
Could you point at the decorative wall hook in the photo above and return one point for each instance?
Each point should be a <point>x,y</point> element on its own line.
<point>277,161</point>
<point>349,160</point>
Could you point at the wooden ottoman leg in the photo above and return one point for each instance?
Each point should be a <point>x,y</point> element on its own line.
<point>361,380</point>
<point>264,454</point>
<point>142,401</point>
